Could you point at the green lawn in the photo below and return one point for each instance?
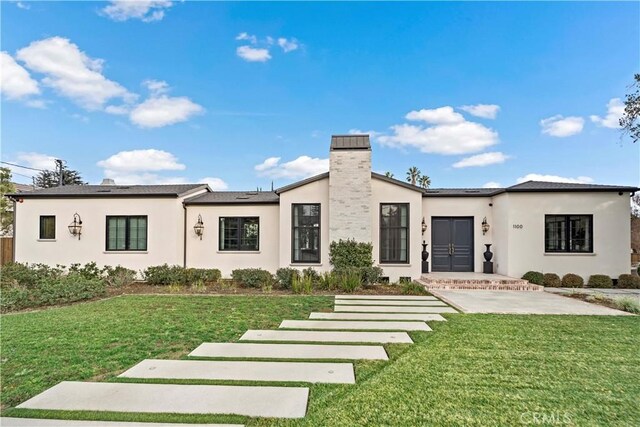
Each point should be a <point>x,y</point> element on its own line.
<point>471,370</point>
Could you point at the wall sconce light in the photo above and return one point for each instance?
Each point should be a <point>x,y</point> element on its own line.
<point>75,228</point>
<point>199,227</point>
<point>424,226</point>
<point>485,226</point>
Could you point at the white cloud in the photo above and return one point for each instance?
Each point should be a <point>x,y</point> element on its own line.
<point>615,110</point>
<point>562,127</point>
<point>248,37</point>
<point>252,54</point>
<point>35,160</point>
<point>72,73</point>
<point>288,45</point>
<point>436,116</point>
<point>492,184</point>
<point>372,133</point>
<point>118,110</point>
<point>159,111</point>
<point>15,81</point>
<point>141,160</point>
<point>216,184</point>
<point>554,178</point>
<point>156,87</point>
<point>144,10</point>
<point>23,5</point>
<point>486,111</point>
<point>484,159</point>
<point>302,167</point>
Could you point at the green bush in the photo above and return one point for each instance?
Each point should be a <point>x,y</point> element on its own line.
<point>552,280</point>
<point>571,280</point>
<point>285,276</point>
<point>302,284</point>
<point>367,275</point>
<point>118,276</point>
<point>312,275</point>
<point>628,281</point>
<point>165,275</point>
<point>252,277</point>
<point>599,281</point>
<point>349,280</point>
<point>349,253</point>
<point>27,275</point>
<point>534,277</point>
<point>89,271</point>
<point>15,298</point>
<point>329,280</point>
<point>413,288</point>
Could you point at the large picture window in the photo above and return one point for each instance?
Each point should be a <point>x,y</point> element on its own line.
<point>568,233</point>
<point>394,233</point>
<point>126,233</point>
<point>47,227</point>
<point>239,233</point>
<point>305,233</point>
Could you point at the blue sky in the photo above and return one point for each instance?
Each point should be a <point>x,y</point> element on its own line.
<point>240,95</point>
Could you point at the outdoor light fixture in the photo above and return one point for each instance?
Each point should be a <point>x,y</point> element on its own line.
<point>75,228</point>
<point>199,227</point>
<point>485,226</point>
<point>424,226</point>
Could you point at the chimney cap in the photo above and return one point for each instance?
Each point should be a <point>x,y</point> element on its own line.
<point>108,181</point>
<point>350,142</point>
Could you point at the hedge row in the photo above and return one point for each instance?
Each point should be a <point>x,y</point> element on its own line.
<point>625,281</point>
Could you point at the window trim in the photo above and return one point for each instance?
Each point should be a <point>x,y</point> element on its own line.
<point>237,249</point>
<point>46,239</point>
<point>319,259</point>
<point>568,250</point>
<point>408,227</point>
<point>126,234</point>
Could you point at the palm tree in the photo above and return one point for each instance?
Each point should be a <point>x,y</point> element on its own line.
<point>425,181</point>
<point>413,175</point>
<point>388,174</point>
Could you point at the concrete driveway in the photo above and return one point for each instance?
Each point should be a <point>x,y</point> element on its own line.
<point>520,302</point>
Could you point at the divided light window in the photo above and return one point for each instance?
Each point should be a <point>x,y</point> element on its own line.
<point>126,233</point>
<point>305,233</point>
<point>47,227</point>
<point>568,233</point>
<point>239,233</point>
<point>394,233</point>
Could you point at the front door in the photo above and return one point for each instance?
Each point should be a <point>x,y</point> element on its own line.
<point>452,243</point>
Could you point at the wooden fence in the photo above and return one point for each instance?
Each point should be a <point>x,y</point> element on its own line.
<point>6,250</point>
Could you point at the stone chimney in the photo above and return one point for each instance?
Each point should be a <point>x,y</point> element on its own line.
<point>350,188</point>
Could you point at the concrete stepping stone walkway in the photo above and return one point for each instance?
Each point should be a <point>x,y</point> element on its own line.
<point>389,297</point>
<point>378,316</point>
<point>311,372</point>
<point>391,309</point>
<point>290,351</point>
<point>40,422</point>
<point>390,303</point>
<point>347,325</point>
<point>280,402</point>
<point>326,336</point>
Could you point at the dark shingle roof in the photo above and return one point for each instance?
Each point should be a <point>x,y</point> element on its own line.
<point>234,197</point>
<point>172,190</point>
<point>350,142</point>
<point>563,186</point>
<point>462,192</point>
<point>303,182</point>
<point>396,182</point>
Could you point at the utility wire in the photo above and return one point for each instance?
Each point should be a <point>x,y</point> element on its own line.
<point>25,167</point>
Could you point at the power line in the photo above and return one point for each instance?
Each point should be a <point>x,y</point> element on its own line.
<point>25,167</point>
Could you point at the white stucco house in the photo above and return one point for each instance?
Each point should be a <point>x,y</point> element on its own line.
<point>549,227</point>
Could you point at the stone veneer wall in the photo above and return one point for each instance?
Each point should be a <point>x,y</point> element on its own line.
<point>350,195</point>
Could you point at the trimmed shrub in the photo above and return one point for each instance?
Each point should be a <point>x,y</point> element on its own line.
<point>552,280</point>
<point>165,275</point>
<point>89,271</point>
<point>628,281</point>
<point>571,280</point>
<point>285,276</point>
<point>534,277</point>
<point>349,253</point>
<point>252,277</point>
<point>599,281</point>
<point>27,275</point>
<point>413,288</point>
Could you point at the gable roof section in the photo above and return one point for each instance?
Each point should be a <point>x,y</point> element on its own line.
<point>303,182</point>
<point>234,197</point>
<point>462,192</point>
<point>112,191</point>
<point>396,182</point>
<point>542,186</point>
<point>350,142</point>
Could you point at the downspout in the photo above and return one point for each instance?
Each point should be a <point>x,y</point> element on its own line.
<point>184,237</point>
<point>15,241</point>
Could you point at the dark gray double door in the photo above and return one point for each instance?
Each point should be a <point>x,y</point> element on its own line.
<point>452,243</point>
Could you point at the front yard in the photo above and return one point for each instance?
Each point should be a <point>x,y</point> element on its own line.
<point>471,370</point>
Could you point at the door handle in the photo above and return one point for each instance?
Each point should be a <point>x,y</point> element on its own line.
<point>453,249</point>
<point>450,249</point>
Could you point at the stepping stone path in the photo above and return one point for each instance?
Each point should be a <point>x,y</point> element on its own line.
<point>339,336</point>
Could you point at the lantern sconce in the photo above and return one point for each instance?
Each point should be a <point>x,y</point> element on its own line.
<point>75,228</point>
<point>485,226</point>
<point>199,227</point>
<point>424,226</point>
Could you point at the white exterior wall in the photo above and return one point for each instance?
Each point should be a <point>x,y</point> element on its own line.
<point>611,233</point>
<point>205,253</point>
<point>499,232</point>
<point>476,207</point>
<point>164,231</point>
<point>385,192</point>
<point>314,192</point>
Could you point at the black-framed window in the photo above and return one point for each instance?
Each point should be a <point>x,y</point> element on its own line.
<point>305,233</point>
<point>394,233</point>
<point>126,233</point>
<point>239,234</point>
<point>568,233</point>
<point>47,227</point>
